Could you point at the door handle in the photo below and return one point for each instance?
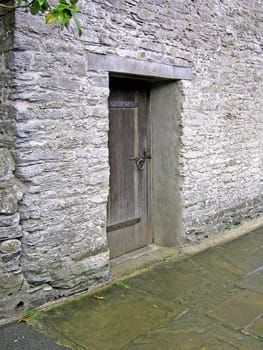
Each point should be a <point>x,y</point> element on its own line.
<point>140,163</point>
<point>140,160</point>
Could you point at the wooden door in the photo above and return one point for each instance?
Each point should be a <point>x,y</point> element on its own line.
<point>127,226</point>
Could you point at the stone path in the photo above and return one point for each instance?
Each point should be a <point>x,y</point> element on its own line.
<point>210,301</point>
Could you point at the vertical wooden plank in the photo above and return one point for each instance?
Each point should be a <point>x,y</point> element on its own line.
<point>128,186</point>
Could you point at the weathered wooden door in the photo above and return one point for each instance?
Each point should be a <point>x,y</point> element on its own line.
<point>129,148</point>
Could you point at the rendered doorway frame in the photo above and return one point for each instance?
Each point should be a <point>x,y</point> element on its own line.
<point>166,101</point>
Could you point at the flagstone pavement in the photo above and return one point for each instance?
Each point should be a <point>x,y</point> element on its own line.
<point>209,301</point>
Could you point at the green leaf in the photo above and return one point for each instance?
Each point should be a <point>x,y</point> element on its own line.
<point>78,25</point>
<point>30,313</point>
<point>64,17</point>
<point>62,7</point>
<point>41,2</point>
<point>44,5</point>
<point>74,8</point>
<point>63,2</point>
<point>121,284</point>
<point>51,17</point>
<point>34,8</point>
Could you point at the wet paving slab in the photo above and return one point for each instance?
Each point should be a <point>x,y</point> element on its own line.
<point>256,327</point>
<point>109,323</point>
<point>239,310</point>
<point>253,281</point>
<point>194,331</point>
<point>210,301</point>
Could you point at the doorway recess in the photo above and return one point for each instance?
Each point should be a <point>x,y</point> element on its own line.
<point>145,111</point>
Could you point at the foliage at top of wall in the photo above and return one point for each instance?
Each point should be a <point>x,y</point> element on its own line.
<point>63,11</point>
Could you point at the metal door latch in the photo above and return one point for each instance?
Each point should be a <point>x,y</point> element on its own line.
<point>140,160</point>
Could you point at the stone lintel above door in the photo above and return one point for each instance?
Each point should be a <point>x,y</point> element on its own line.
<point>131,66</point>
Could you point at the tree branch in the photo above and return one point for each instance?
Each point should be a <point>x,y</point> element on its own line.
<point>13,7</point>
<point>63,11</point>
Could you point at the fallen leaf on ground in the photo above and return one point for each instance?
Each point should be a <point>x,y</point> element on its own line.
<point>28,316</point>
<point>121,284</point>
<point>99,297</point>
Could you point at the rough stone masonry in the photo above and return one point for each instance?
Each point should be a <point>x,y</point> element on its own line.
<point>54,169</point>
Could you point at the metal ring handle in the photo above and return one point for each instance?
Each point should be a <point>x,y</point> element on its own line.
<point>140,163</point>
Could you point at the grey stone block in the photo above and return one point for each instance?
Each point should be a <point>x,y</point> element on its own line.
<point>7,164</point>
<point>9,220</point>
<point>10,232</point>
<point>10,246</point>
<point>10,283</point>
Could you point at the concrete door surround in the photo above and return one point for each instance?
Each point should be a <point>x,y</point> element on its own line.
<point>166,107</point>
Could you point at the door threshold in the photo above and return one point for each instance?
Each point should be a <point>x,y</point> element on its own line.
<point>139,260</point>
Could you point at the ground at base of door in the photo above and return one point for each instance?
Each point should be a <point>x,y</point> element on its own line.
<point>209,301</point>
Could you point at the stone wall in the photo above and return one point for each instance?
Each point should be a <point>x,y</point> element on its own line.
<point>54,126</point>
<point>55,118</point>
<point>222,153</point>
<point>11,190</point>
<point>12,281</point>
<point>223,110</point>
